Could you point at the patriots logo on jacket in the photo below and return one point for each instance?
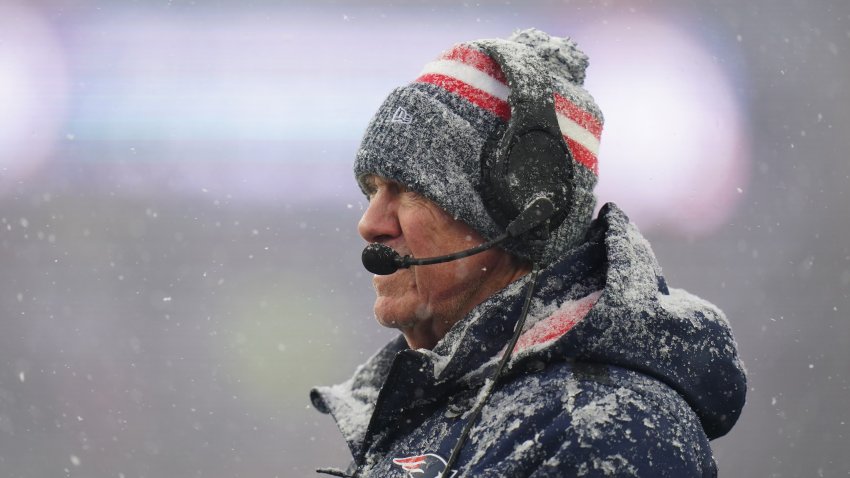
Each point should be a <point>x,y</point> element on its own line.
<point>423,466</point>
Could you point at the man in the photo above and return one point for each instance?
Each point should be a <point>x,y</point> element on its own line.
<point>559,352</point>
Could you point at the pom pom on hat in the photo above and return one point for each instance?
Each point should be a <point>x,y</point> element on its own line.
<point>561,53</point>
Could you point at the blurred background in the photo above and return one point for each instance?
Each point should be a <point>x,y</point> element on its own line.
<point>179,262</point>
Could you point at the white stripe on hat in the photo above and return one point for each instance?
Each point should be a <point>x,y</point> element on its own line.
<point>470,75</point>
<point>579,134</point>
<point>478,79</point>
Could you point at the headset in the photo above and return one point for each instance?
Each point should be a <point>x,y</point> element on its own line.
<point>531,159</point>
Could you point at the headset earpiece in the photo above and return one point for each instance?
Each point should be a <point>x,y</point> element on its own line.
<point>531,159</point>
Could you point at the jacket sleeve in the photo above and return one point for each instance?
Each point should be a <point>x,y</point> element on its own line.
<point>607,430</point>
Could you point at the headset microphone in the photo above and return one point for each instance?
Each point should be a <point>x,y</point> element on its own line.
<point>382,260</point>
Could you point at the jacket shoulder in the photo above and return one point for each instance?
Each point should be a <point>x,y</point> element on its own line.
<point>579,419</point>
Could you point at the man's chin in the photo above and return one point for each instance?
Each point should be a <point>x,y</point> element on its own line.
<point>393,321</point>
<point>396,314</point>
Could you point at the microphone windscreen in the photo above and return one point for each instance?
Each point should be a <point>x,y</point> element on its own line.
<point>380,259</point>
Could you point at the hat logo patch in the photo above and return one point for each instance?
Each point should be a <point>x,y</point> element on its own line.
<point>401,116</point>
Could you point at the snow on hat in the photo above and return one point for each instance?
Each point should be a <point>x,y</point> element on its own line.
<point>430,135</point>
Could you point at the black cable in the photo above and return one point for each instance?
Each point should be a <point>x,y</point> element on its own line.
<point>333,472</point>
<point>464,435</point>
<point>407,261</point>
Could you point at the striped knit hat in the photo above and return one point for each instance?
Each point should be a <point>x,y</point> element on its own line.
<point>431,135</point>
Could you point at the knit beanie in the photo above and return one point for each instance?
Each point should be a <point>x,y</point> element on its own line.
<point>431,134</point>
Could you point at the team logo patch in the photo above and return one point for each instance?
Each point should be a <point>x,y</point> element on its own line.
<point>424,466</point>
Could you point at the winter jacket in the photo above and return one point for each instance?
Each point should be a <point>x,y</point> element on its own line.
<point>615,374</point>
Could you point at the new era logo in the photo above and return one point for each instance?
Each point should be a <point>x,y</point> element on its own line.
<point>401,116</point>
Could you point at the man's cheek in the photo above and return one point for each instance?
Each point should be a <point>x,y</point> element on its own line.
<point>423,311</point>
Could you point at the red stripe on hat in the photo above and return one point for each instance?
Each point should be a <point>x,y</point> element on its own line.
<point>474,95</point>
<point>580,116</point>
<point>477,59</point>
<point>583,155</point>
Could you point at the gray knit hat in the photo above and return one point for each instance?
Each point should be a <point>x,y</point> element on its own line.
<point>431,134</point>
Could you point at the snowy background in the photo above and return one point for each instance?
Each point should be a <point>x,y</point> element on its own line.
<point>178,254</point>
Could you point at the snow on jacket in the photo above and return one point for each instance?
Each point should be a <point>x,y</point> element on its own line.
<point>615,374</point>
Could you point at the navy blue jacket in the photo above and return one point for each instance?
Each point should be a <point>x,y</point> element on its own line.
<point>615,374</point>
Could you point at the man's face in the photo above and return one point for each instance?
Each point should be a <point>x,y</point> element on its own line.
<point>425,301</point>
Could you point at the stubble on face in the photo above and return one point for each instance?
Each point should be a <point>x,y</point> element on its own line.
<point>425,302</point>
<point>395,295</point>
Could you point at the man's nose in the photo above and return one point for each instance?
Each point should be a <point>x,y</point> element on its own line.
<point>380,220</point>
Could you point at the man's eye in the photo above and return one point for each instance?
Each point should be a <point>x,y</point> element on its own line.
<point>414,195</point>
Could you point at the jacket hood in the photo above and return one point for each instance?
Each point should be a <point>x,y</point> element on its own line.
<point>605,303</point>
<point>640,323</point>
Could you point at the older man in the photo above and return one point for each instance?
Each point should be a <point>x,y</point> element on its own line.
<point>557,348</point>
